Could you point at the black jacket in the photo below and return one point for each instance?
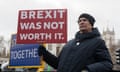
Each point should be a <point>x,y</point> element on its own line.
<point>86,51</point>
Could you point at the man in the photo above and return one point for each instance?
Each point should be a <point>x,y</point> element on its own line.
<point>87,52</point>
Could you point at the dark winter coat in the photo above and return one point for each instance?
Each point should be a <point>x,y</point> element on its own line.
<point>86,51</point>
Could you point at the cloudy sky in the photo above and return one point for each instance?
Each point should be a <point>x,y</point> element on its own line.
<point>106,12</point>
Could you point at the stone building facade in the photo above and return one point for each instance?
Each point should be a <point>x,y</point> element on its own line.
<point>4,55</point>
<point>112,44</point>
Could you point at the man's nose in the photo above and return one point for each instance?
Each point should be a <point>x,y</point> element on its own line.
<point>81,23</point>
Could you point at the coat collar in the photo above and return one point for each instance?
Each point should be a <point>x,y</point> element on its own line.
<point>82,36</point>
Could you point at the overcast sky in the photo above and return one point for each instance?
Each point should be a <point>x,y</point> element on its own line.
<point>106,12</point>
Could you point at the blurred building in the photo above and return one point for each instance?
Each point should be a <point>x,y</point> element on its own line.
<point>4,55</point>
<point>112,44</point>
<point>55,48</point>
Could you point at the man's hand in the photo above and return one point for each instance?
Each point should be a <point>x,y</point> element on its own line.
<point>41,50</point>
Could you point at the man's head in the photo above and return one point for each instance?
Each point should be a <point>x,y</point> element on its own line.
<point>86,22</point>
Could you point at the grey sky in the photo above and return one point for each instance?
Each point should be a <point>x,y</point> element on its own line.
<point>106,12</point>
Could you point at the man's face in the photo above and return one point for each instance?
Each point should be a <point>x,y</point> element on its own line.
<point>84,25</point>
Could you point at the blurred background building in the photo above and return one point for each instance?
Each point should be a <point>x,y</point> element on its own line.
<point>113,45</point>
<point>4,53</point>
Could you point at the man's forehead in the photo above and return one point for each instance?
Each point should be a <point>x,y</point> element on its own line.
<point>83,18</point>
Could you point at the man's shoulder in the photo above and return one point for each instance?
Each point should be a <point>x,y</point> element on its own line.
<point>99,37</point>
<point>100,40</point>
<point>70,41</point>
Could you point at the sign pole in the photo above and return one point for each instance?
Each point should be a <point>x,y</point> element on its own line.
<point>41,68</point>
